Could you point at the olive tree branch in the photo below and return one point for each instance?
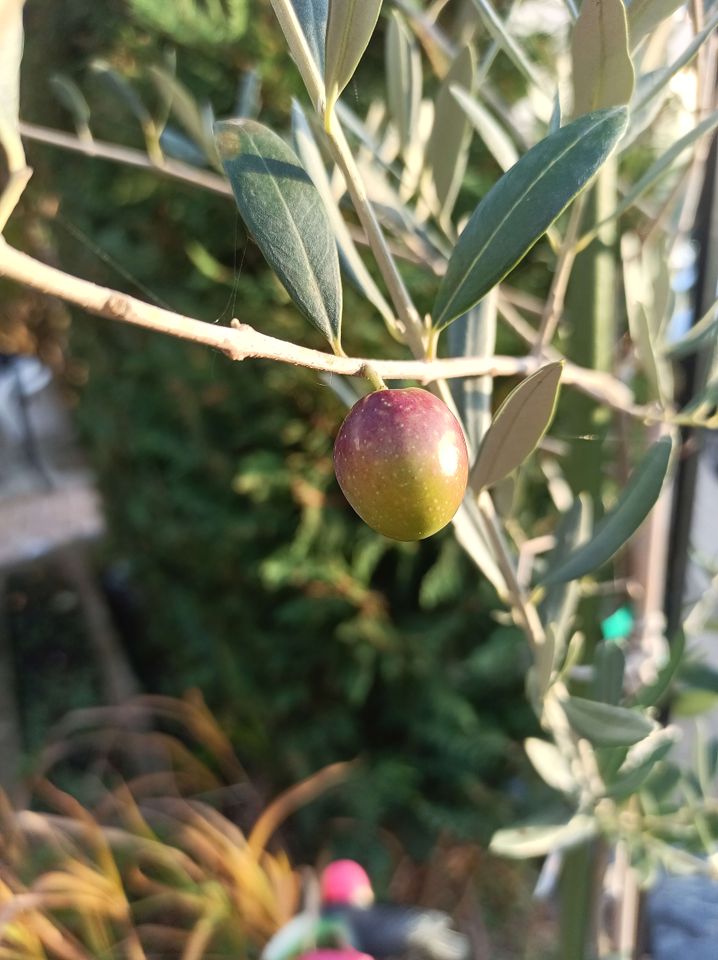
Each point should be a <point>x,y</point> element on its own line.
<point>128,156</point>
<point>18,172</point>
<point>241,342</point>
<point>406,311</point>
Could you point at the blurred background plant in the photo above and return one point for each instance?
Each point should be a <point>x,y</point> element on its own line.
<point>176,854</point>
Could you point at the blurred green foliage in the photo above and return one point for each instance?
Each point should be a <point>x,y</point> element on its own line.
<point>257,582</point>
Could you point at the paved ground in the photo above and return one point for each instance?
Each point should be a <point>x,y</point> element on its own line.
<point>47,495</point>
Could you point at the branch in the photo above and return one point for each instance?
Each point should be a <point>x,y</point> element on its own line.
<point>127,156</point>
<point>400,297</point>
<point>241,342</point>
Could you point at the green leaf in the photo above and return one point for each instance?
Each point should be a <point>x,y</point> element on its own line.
<point>644,15</point>
<point>349,29</point>
<point>403,78</point>
<point>604,724</point>
<point>447,150</point>
<point>195,121</point>
<point>663,781</point>
<point>643,323</point>
<point>602,69</point>
<point>653,693</point>
<point>536,840</point>
<point>474,335</point>
<point>561,600</point>
<point>702,334</point>
<point>521,206</point>
<point>284,212</point>
<point>312,16</point>
<point>541,673</point>
<point>125,91</point>
<point>660,78</point>
<point>549,763</point>
<point>497,141</point>
<point>702,408</point>
<point>497,29</point>
<point>662,165</point>
<point>574,654</point>
<point>619,525</point>
<point>354,267</point>
<point>609,665</point>
<point>520,423</point>
<point>610,760</point>
<point>470,532</point>
<point>640,762</point>
<point>72,99</point>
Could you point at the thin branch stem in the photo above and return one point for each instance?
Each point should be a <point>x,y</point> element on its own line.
<point>240,341</point>
<point>406,311</point>
<point>524,609</point>
<point>128,156</point>
<point>301,54</point>
<point>553,308</point>
<point>10,197</point>
<point>18,172</point>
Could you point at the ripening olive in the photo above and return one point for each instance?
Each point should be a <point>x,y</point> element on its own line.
<point>401,461</point>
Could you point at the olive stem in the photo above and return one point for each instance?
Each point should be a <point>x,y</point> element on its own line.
<point>370,374</point>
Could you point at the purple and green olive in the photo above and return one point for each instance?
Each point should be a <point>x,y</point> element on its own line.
<point>401,461</point>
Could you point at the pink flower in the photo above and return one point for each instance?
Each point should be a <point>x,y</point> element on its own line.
<point>346,953</point>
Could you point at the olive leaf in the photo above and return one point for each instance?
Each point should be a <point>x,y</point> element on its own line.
<point>702,334</point>
<point>536,840</point>
<point>521,206</point>
<point>550,764</point>
<point>312,16</point>
<point>602,69</point>
<point>448,147</point>
<point>474,335</point>
<point>644,15</point>
<point>284,213</point>
<point>641,760</point>
<point>73,100</point>
<point>609,665</point>
<point>403,78</point>
<point>618,526</point>
<point>195,120</point>
<point>352,263</point>
<point>497,141</point>
<point>520,423</point>
<point>349,29</point>
<point>561,599</point>
<point>653,693</point>
<point>604,724</point>
<point>663,164</point>
<point>643,321</point>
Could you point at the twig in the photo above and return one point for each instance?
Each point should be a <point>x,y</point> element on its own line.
<point>557,294</point>
<point>398,292</point>
<point>406,311</point>
<point>128,156</point>
<point>241,342</point>
<point>524,609</point>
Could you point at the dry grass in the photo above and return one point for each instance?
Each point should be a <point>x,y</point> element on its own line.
<point>173,856</point>
<point>158,865</point>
